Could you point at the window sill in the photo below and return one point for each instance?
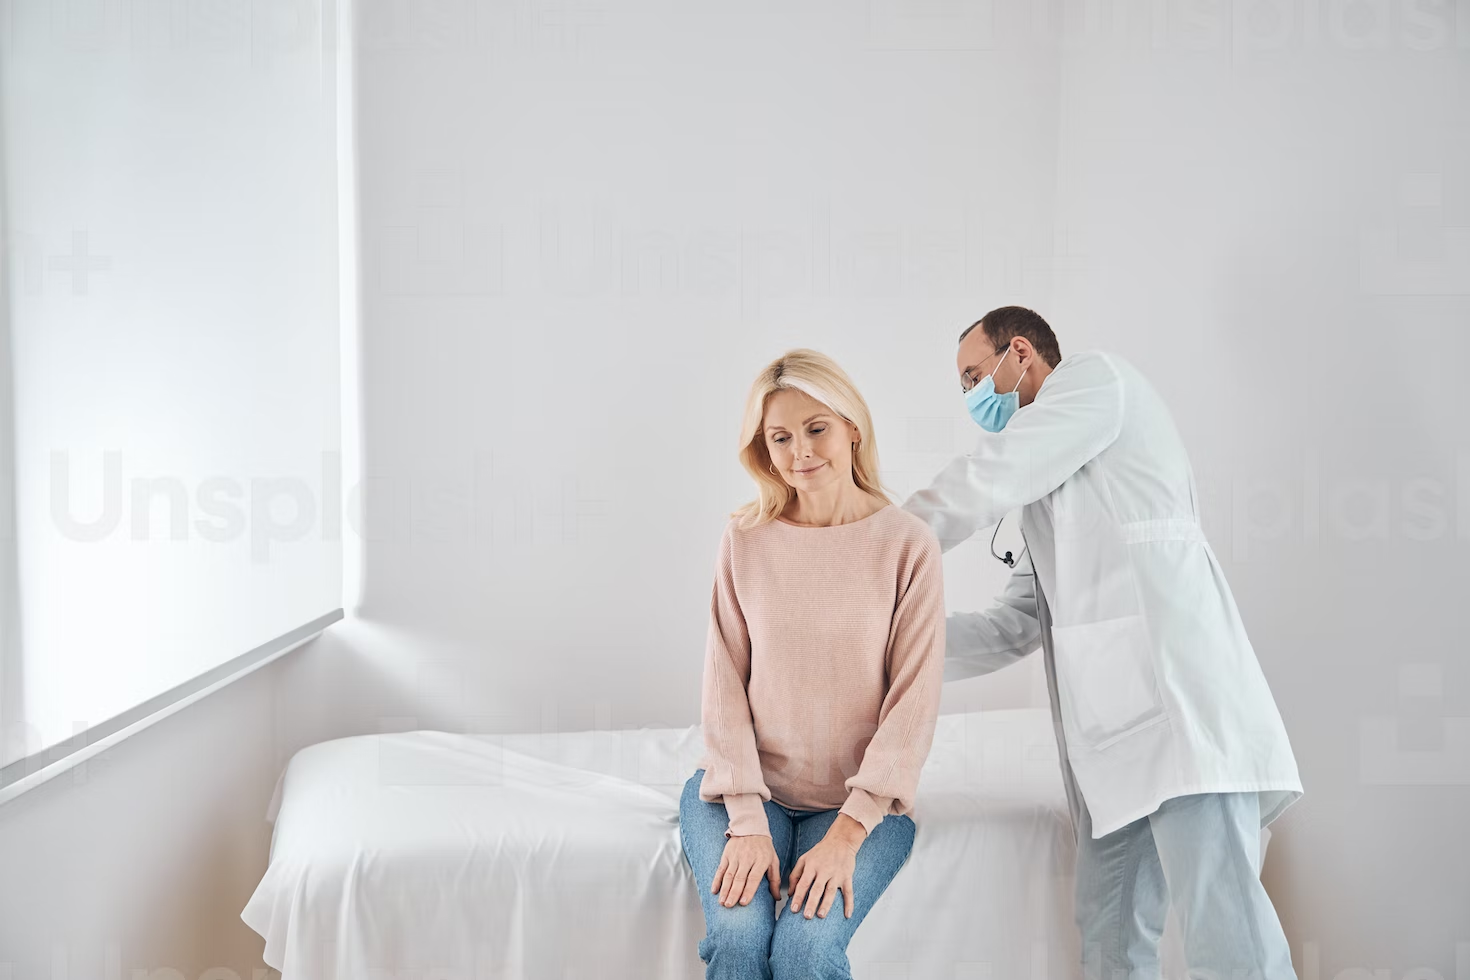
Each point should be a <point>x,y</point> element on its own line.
<point>33,770</point>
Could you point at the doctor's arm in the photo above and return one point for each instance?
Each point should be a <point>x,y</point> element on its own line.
<point>980,642</point>
<point>1077,415</point>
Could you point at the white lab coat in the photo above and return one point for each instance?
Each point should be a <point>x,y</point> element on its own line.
<point>1156,691</point>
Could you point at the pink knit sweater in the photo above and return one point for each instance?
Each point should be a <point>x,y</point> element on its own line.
<point>823,668</point>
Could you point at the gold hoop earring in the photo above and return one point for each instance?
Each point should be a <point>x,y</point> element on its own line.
<point>772,468</point>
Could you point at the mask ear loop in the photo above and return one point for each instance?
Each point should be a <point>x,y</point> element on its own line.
<point>1002,360</point>
<point>1018,380</point>
<point>1012,391</point>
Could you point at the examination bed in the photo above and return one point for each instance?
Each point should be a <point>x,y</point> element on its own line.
<point>440,856</point>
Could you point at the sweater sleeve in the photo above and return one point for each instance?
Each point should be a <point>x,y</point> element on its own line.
<point>732,768</point>
<point>888,778</point>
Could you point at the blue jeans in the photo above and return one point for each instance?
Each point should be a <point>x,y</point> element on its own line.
<point>1200,852</point>
<point>753,942</point>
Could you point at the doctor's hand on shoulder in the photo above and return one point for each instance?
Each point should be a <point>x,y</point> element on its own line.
<point>746,859</point>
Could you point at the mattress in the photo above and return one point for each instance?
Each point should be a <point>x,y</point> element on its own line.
<point>554,856</point>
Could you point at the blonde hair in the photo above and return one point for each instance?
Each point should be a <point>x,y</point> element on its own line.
<point>817,375</point>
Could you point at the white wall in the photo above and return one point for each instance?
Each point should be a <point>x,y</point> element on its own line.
<point>142,857</point>
<point>581,240</point>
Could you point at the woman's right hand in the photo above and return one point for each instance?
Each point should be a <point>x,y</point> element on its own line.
<point>742,865</point>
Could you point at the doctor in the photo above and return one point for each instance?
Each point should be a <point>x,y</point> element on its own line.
<point>1172,751</point>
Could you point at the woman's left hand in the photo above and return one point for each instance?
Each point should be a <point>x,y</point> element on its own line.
<point>827,867</point>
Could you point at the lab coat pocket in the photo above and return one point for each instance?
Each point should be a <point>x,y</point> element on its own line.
<point>1106,680</point>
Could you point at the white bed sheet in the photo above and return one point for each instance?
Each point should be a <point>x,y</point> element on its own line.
<point>439,856</point>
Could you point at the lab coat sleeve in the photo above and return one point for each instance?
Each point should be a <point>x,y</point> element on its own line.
<point>980,642</point>
<point>1075,416</point>
<point>732,767</point>
<point>887,780</point>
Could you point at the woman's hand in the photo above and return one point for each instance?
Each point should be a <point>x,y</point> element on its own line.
<point>745,860</point>
<point>827,867</point>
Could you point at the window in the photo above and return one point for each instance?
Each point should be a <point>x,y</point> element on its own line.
<point>169,392</point>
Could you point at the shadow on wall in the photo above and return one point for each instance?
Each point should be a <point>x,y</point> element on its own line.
<point>364,677</point>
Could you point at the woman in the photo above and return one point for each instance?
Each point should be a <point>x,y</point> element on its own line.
<point>822,676</point>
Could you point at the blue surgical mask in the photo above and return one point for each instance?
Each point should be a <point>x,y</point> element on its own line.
<point>991,410</point>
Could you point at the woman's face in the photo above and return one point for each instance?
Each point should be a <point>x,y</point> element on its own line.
<point>810,445</point>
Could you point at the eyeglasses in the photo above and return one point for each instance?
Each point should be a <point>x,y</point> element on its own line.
<point>968,380</point>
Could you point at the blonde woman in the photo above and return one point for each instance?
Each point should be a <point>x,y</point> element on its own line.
<point>822,675</point>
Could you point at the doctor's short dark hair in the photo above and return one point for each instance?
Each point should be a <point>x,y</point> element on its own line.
<point>1005,322</point>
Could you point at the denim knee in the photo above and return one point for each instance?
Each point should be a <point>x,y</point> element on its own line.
<point>809,954</point>
<point>738,940</point>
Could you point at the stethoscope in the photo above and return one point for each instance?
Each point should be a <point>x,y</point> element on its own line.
<point>1008,561</point>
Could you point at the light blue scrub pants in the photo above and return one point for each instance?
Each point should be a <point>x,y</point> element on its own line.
<point>1202,853</point>
<point>755,942</point>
